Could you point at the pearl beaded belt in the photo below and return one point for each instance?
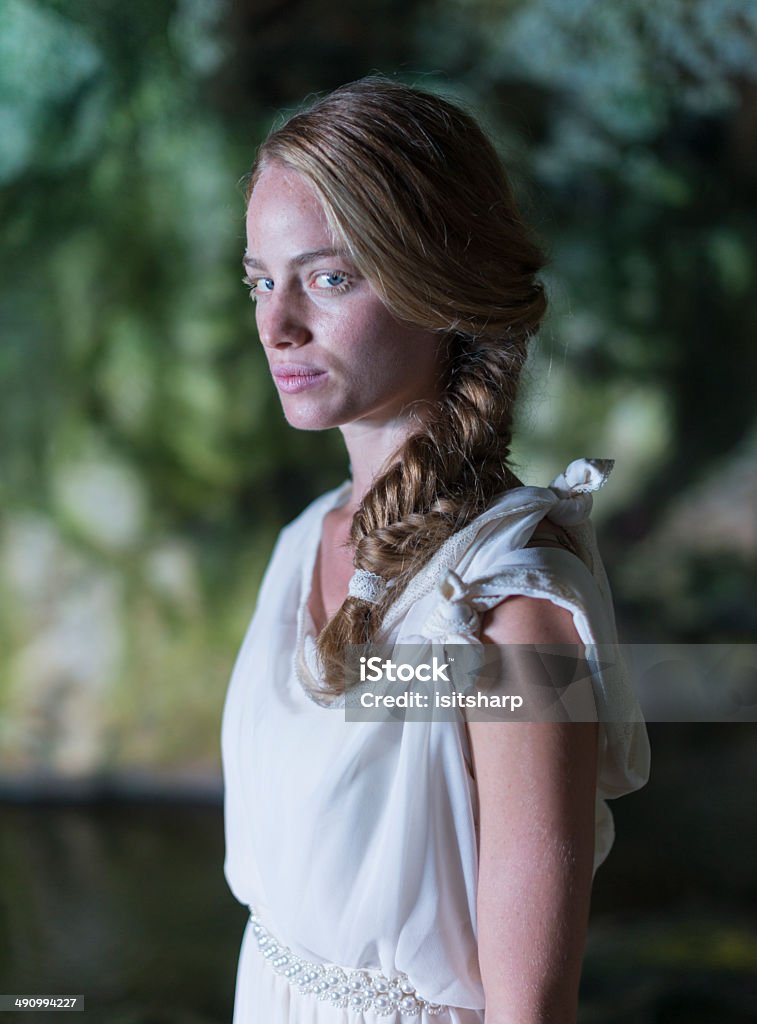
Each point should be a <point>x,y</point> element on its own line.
<point>360,989</point>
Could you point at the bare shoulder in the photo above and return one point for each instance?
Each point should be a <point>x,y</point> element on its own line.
<point>521,619</point>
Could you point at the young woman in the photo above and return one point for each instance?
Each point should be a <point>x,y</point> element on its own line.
<point>437,867</point>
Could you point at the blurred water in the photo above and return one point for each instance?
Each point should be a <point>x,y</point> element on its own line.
<point>126,902</point>
<point>123,903</point>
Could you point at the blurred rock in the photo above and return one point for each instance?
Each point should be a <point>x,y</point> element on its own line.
<point>103,499</point>
<point>69,653</point>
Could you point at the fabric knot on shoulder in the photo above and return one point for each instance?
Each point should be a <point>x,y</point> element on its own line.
<point>573,488</point>
<point>454,615</point>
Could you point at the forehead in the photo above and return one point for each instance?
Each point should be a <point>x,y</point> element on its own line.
<point>284,207</point>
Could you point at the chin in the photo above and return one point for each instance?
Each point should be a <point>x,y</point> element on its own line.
<point>297,425</point>
<point>309,419</point>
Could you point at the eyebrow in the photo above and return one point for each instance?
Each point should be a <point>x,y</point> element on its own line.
<point>301,259</point>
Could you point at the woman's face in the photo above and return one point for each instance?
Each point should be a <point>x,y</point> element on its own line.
<point>337,354</point>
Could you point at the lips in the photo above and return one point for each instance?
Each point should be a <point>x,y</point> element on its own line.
<point>294,377</point>
<point>295,370</point>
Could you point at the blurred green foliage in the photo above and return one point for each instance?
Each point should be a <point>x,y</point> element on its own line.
<point>146,466</point>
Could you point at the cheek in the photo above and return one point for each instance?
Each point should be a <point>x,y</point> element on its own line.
<point>375,348</point>
<point>385,339</point>
<point>385,357</point>
<point>406,352</point>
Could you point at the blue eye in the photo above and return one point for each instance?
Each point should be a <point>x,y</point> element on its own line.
<point>333,280</point>
<point>258,286</point>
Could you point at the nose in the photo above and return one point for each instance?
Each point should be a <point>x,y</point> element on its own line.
<point>281,321</point>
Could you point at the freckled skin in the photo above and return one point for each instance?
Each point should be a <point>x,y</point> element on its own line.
<point>376,365</point>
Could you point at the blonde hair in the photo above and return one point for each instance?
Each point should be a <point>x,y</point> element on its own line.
<point>415,190</point>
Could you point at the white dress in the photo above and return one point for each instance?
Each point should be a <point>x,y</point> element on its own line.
<point>354,843</point>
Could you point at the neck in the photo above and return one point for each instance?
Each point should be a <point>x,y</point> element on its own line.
<point>371,452</point>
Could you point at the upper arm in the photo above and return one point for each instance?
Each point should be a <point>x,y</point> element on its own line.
<point>536,785</point>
